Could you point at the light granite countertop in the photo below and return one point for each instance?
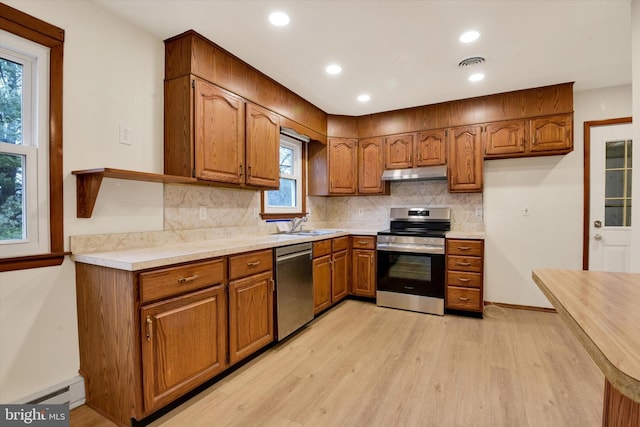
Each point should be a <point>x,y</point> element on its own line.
<point>174,253</point>
<point>160,256</point>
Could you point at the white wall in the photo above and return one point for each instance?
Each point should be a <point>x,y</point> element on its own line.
<point>552,188</point>
<point>635,82</point>
<point>113,74</point>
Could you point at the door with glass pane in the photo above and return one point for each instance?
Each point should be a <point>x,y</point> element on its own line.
<point>610,211</point>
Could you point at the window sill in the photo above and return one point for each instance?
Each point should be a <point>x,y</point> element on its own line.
<point>32,261</point>
<point>281,215</point>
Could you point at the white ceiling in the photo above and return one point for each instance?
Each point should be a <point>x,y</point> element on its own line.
<point>405,53</point>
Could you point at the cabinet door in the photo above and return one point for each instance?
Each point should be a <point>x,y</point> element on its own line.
<point>219,134</point>
<point>363,273</point>
<point>183,344</point>
<point>342,165</point>
<point>464,163</point>
<point>502,139</point>
<point>321,283</point>
<point>553,134</point>
<point>339,275</point>
<point>371,166</point>
<point>263,147</point>
<point>430,148</point>
<point>250,315</point>
<point>398,151</point>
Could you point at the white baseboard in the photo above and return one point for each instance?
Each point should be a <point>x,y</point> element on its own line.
<point>70,391</point>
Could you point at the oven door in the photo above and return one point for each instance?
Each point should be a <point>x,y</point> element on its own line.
<point>411,273</point>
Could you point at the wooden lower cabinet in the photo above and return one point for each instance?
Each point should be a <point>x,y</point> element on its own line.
<point>464,275</point>
<point>339,275</point>
<point>184,343</point>
<point>146,338</point>
<point>363,266</point>
<point>330,272</point>
<point>250,315</point>
<point>321,283</point>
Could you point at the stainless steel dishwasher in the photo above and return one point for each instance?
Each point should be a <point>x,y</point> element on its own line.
<point>294,287</point>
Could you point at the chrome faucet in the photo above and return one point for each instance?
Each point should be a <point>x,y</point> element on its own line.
<point>297,223</point>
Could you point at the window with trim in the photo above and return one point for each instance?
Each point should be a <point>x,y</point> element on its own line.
<point>289,199</point>
<point>31,52</point>
<point>24,154</point>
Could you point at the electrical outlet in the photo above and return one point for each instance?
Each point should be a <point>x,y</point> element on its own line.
<point>526,211</point>
<point>124,135</point>
<point>360,211</point>
<point>479,211</point>
<point>203,212</point>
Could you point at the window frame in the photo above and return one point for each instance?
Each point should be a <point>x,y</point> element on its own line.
<point>52,37</point>
<point>302,206</point>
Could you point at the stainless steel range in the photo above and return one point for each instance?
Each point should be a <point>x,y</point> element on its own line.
<point>411,260</point>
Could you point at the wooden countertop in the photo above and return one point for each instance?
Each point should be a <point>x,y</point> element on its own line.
<point>603,311</point>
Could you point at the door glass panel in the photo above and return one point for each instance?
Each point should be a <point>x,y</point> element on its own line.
<point>617,197</point>
<point>286,160</point>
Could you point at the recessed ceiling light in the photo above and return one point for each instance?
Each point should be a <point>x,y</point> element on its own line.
<point>476,77</point>
<point>279,19</point>
<point>469,36</point>
<point>333,69</point>
<point>364,97</point>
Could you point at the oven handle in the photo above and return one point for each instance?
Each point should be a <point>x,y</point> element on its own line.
<point>433,250</point>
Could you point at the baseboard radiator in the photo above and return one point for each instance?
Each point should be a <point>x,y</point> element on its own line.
<point>69,392</point>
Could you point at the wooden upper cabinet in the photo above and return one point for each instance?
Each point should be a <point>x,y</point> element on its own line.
<point>342,165</point>
<point>430,148</point>
<point>398,150</point>
<point>465,168</point>
<point>262,147</point>
<point>552,134</point>
<point>219,134</point>
<point>371,166</point>
<point>537,136</point>
<point>504,138</point>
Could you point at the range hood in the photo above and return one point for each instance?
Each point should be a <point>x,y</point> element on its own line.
<point>426,173</point>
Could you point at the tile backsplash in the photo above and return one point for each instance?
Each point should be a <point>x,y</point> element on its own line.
<point>224,207</point>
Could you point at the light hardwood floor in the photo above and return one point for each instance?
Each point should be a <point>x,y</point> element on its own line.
<point>362,365</point>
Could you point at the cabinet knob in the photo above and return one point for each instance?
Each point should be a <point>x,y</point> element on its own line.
<point>241,169</point>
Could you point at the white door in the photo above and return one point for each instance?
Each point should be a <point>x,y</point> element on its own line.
<point>610,211</point>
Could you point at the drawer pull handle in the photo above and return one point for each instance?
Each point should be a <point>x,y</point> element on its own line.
<point>149,328</point>
<point>253,264</point>
<point>464,248</point>
<point>463,299</point>
<point>188,279</point>
<point>362,242</point>
<point>460,279</point>
<point>464,264</point>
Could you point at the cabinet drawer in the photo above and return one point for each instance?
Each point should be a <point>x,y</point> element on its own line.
<point>464,247</point>
<point>167,282</point>
<point>340,243</point>
<point>250,263</point>
<point>321,248</point>
<point>363,242</point>
<point>463,299</point>
<point>470,280</point>
<point>463,263</point>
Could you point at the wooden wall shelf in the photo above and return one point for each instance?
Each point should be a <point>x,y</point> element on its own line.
<point>88,183</point>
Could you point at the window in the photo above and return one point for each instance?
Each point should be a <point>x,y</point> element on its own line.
<point>24,100</point>
<point>288,201</point>
<point>31,53</point>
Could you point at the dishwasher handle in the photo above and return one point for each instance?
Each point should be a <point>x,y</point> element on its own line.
<point>294,255</point>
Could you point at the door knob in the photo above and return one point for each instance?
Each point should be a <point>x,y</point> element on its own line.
<point>597,237</point>
<point>597,223</point>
